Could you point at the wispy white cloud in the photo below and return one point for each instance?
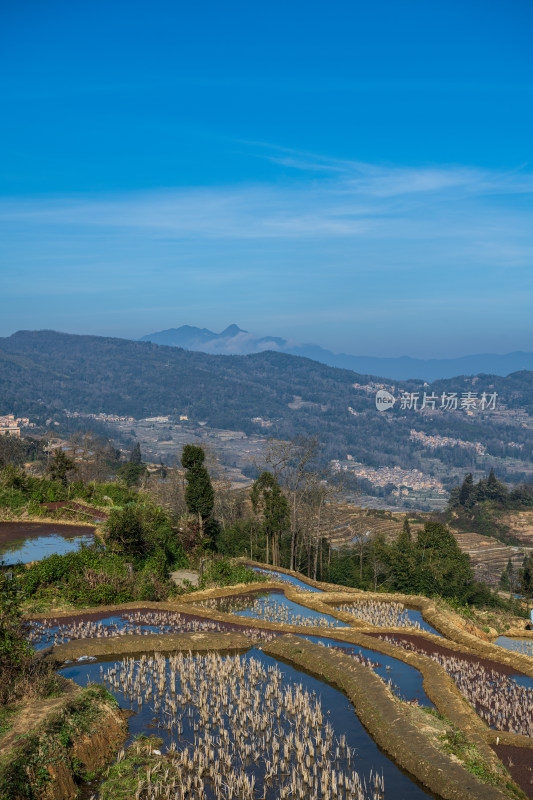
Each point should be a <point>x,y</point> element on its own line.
<point>340,244</point>
<point>352,200</point>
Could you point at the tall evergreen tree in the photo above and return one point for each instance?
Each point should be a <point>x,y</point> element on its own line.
<point>136,455</point>
<point>441,568</point>
<point>403,559</point>
<point>60,466</point>
<point>507,579</point>
<point>525,576</point>
<point>199,494</point>
<point>268,499</point>
<point>495,490</point>
<point>467,493</point>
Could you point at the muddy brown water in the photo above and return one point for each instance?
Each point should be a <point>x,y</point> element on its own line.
<point>519,762</point>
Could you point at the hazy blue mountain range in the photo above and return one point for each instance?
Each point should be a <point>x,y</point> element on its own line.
<point>235,341</point>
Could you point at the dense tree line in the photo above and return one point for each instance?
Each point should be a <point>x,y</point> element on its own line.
<point>518,581</point>
<point>19,451</point>
<point>480,507</point>
<point>471,495</point>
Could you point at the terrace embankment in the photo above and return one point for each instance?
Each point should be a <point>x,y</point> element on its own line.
<point>326,587</point>
<point>56,743</point>
<point>161,643</point>
<point>390,728</point>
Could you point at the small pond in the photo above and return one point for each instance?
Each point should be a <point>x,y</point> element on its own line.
<point>405,681</point>
<point>249,719</point>
<point>28,541</point>
<point>272,606</point>
<point>281,576</point>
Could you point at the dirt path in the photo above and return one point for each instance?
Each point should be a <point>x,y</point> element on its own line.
<point>31,714</point>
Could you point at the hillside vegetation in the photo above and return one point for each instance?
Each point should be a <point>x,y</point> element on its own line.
<point>42,373</point>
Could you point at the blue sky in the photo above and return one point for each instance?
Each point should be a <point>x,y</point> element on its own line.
<point>353,174</point>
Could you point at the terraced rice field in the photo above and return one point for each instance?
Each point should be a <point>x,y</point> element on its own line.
<point>524,646</point>
<point>282,577</point>
<point>504,701</point>
<point>272,607</point>
<point>405,681</point>
<point>247,727</point>
<point>387,615</point>
<point>489,556</point>
<point>32,541</point>
<point>54,631</point>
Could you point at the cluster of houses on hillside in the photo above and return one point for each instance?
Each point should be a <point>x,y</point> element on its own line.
<point>100,417</point>
<point>11,425</point>
<point>433,441</point>
<point>403,479</point>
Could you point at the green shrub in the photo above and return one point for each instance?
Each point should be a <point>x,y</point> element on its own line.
<point>223,572</point>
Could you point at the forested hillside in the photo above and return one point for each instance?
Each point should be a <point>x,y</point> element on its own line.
<point>44,372</point>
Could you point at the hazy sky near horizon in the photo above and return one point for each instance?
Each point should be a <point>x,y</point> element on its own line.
<point>356,175</point>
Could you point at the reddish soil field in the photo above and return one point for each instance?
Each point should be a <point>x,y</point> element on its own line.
<point>430,647</point>
<point>519,762</point>
<point>227,627</point>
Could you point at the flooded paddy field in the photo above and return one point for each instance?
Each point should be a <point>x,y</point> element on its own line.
<point>272,606</point>
<point>289,579</point>
<point>405,681</point>
<point>523,646</point>
<point>247,727</point>
<point>33,541</point>
<point>384,614</point>
<point>51,631</point>
<point>501,696</point>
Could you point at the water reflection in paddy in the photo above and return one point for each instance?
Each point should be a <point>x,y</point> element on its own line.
<point>387,614</point>
<point>272,606</point>
<point>26,548</point>
<point>289,579</point>
<point>252,717</point>
<point>407,682</point>
<point>524,646</point>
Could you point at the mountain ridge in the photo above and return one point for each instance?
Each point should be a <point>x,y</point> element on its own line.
<point>236,341</point>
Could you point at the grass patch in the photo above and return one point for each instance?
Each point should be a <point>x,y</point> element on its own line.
<point>445,736</point>
<point>455,742</point>
<point>7,715</point>
<point>132,765</point>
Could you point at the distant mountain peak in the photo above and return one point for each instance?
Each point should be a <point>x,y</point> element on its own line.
<point>236,341</point>
<point>231,330</point>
